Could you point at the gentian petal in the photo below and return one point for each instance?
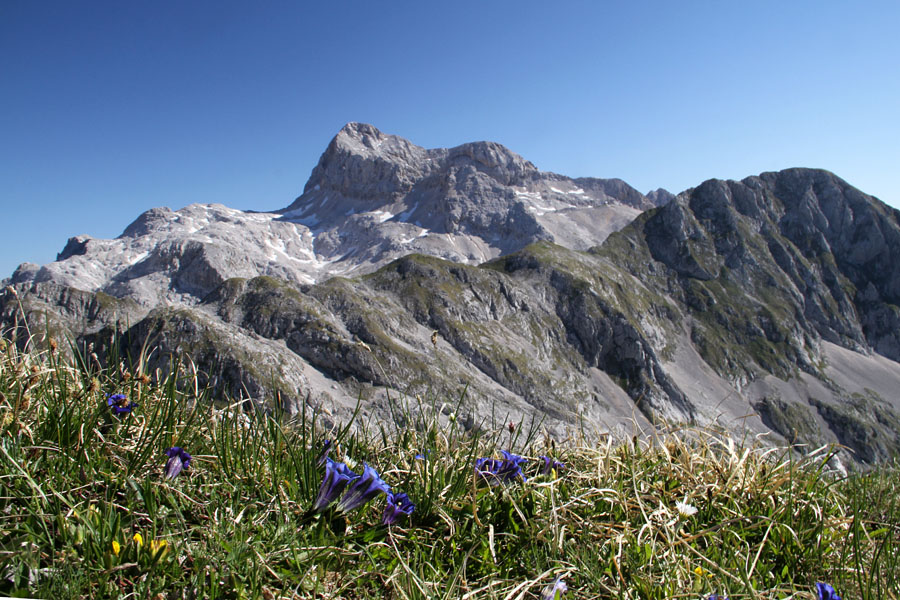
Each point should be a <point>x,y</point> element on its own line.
<point>337,476</point>
<point>173,467</point>
<point>513,458</point>
<point>550,465</point>
<point>555,590</point>
<point>397,504</point>
<point>362,489</point>
<point>179,459</point>
<point>826,592</point>
<point>505,470</point>
<point>119,404</point>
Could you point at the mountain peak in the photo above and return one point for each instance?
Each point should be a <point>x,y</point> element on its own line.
<point>482,190</point>
<point>359,130</point>
<point>361,161</point>
<point>364,138</point>
<point>496,159</point>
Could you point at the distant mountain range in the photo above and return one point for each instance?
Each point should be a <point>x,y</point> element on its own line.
<point>768,306</point>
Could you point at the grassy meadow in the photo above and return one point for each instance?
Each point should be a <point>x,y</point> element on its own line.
<point>89,506</point>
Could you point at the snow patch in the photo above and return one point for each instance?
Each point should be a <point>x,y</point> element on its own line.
<point>540,210</point>
<point>291,214</point>
<point>137,258</point>
<point>277,245</point>
<point>421,234</point>
<point>310,221</point>
<point>404,216</point>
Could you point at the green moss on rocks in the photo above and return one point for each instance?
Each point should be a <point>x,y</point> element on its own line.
<point>795,422</point>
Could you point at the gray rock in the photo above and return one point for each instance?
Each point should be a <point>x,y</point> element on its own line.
<point>660,197</point>
<point>25,272</point>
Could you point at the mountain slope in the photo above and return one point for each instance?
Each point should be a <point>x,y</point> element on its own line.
<point>767,306</point>
<point>774,274</point>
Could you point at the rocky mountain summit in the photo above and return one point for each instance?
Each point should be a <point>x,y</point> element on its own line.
<point>371,199</point>
<point>768,306</point>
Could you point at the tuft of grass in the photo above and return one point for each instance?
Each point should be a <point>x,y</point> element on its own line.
<point>85,510</point>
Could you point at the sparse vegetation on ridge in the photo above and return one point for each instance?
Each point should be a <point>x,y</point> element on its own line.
<point>87,509</point>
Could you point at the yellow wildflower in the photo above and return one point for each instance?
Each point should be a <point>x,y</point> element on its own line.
<point>138,539</point>
<point>158,546</point>
<point>116,547</point>
<point>700,571</point>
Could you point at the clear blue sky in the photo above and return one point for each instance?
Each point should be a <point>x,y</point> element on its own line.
<point>109,108</point>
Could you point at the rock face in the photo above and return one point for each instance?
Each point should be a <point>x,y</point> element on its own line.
<point>768,305</point>
<point>772,273</point>
<point>812,254</point>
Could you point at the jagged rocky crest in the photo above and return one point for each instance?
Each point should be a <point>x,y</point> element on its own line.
<point>371,199</point>
<point>768,305</point>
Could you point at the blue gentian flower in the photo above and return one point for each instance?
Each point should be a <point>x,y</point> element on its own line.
<point>717,597</point>
<point>826,592</point>
<point>551,465</point>
<point>504,470</point>
<point>397,504</point>
<point>119,404</point>
<point>337,476</point>
<point>178,460</point>
<point>362,489</point>
<point>555,590</point>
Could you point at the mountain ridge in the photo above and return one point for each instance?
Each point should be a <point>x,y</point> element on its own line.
<point>774,296</point>
<point>360,209</point>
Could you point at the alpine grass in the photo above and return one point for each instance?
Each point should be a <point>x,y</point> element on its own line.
<point>121,483</point>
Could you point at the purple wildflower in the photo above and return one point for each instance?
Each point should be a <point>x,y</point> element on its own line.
<point>717,597</point>
<point>178,460</point>
<point>119,404</point>
<point>551,465</point>
<point>337,476</point>
<point>362,489</point>
<point>397,504</point>
<point>826,592</point>
<point>504,470</point>
<point>555,590</point>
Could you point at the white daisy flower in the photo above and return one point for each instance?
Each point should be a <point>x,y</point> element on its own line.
<point>685,510</point>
